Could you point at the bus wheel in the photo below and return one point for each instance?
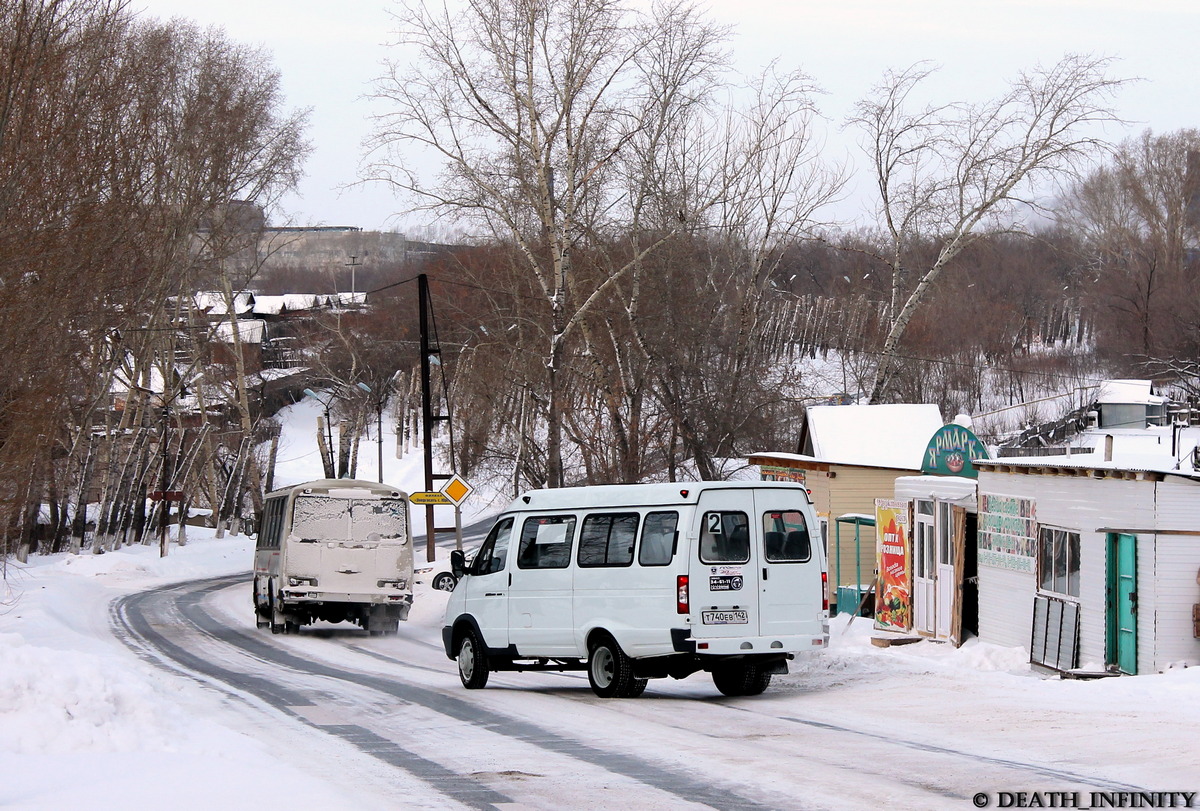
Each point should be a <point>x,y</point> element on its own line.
<point>277,616</point>
<point>610,671</point>
<point>472,661</point>
<point>260,616</point>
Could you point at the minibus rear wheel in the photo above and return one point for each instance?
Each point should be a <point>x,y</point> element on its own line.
<point>741,679</point>
<point>610,671</point>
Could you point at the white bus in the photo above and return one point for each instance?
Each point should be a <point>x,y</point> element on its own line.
<point>334,550</point>
<point>633,582</point>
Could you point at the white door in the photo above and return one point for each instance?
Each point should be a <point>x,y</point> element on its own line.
<point>723,579</point>
<point>486,587</point>
<point>541,619</point>
<point>924,572</point>
<point>790,590</point>
<point>945,570</point>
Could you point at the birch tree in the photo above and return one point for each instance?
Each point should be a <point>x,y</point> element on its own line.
<point>530,106</point>
<point>947,173</point>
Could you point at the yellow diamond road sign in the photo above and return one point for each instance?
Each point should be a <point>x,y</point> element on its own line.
<point>456,489</point>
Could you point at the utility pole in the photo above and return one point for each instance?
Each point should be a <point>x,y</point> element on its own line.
<point>352,264</point>
<point>427,415</point>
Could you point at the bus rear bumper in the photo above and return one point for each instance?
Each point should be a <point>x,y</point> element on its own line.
<point>306,594</point>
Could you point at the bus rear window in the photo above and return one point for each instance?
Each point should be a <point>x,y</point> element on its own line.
<point>318,519</point>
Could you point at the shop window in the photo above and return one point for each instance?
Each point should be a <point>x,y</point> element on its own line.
<point>1058,561</point>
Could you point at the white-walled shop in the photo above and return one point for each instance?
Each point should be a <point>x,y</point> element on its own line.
<point>1088,564</point>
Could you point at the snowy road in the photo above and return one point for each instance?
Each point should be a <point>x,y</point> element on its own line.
<point>839,732</point>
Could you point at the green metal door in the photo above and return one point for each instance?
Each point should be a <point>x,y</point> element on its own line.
<point>1122,607</point>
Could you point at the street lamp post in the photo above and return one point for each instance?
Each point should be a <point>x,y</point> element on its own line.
<point>327,460</point>
<point>378,425</point>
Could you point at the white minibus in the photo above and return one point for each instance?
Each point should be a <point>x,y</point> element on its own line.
<point>334,550</point>
<point>641,581</point>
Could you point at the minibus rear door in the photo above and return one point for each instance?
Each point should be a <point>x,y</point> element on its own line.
<point>723,586</point>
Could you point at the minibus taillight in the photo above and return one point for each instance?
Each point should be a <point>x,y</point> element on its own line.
<point>681,594</point>
<point>825,591</point>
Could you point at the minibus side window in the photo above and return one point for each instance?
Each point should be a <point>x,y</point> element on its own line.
<point>658,539</point>
<point>785,537</point>
<point>546,542</point>
<point>494,551</point>
<point>608,540</point>
<point>724,537</point>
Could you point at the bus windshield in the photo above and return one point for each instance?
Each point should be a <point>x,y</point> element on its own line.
<point>318,518</point>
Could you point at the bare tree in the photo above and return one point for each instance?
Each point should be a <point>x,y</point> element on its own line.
<point>531,106</point>
<point>1132,217</point>
<point>117,139</point>
<point>590,138</point>
<point>946,173</point>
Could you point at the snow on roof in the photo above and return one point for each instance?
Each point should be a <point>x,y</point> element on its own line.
<point>290,302</point>
<point>892,436</point>
<point>958,489</point>
<point>249,330</point>
<point>351,299</point>
<point>214,303</point>
<point>1144,450</point>
<point>1127,391</point>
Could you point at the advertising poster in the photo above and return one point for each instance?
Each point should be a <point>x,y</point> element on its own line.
<point>893,595</point>
<point>775,473</point>
<point>1007,532</point>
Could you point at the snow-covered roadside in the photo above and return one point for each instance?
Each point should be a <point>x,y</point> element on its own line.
<point>84,723</point>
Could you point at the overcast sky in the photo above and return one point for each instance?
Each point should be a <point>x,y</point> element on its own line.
<point>329,52</point>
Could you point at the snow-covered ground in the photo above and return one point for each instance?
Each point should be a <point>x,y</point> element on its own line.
<point>86,723</point>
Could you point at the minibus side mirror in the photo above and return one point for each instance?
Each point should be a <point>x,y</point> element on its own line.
<point>458,563</point>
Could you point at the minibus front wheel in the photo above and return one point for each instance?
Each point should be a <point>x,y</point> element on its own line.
<point>472,661</point>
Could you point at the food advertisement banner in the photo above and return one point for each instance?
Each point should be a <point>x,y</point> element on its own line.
<point>893,595</point>
<point>775,473</point>
<point>1007,532</point>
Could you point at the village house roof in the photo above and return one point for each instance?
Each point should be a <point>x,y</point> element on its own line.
<point>1150,452</point>
<point>886,436</point>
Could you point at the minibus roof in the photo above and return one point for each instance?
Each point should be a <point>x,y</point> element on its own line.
<point>635,495</point>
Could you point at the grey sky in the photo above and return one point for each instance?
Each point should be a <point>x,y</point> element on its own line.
<point>328,53</point>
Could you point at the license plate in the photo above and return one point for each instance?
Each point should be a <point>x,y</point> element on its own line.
<point>724,617</point>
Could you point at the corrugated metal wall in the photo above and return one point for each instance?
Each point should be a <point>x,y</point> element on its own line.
<point>1176,566</point>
